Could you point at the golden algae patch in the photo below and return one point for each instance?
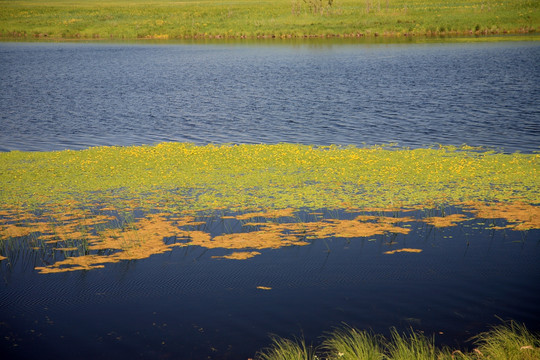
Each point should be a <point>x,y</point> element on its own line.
<point>72,248</point>
<point>13,230</point>
<point>384,219</point>
<point>361,226</point>
<point>408,250</point>
<point>270,214</point>
<point>11,215</point>
<point>66,232</point>
<point>238,255</point>
<point>263,239</point>
<point>144,239</point>
<point>445,221</point>
<point>141,241</point>
<point>521,216</point>
<point>87,262</point>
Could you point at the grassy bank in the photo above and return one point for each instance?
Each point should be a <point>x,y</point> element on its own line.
<point>159,19</point>
<point>502,342</point>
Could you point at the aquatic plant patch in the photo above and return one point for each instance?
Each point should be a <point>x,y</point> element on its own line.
<point>94,239</point>
<point>85,209</point>
<point>186,177</point>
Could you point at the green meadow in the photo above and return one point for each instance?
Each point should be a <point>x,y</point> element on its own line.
<point>247,177</point>
<point>159,19</point>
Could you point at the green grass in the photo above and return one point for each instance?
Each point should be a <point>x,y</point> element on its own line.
<point>160,19</point>
<point>412,346</point>
<point>509,341</point>
<point>351,344</point>
<point>285,349</point>
<point>244,177</point>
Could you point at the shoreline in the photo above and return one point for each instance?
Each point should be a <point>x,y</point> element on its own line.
<point>510,35</point>
<point>284,40</point>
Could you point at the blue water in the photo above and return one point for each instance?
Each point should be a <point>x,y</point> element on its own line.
<point>59,96</point>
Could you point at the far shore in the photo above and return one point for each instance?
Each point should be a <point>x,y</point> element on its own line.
<point>279,19</point>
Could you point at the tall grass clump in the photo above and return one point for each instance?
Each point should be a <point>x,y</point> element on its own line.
<point>286,349</point>
<point>509,341</point>
<point>414,346</point>
<point>352,344</point>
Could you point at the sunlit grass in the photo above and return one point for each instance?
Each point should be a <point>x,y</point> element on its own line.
<point>509,341</point>
<point>285,349</point>
<point>412,346</point>
<point>159,19</point>
<point>351,344</point>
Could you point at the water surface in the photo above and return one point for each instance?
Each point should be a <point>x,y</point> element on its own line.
<point>58,96</point>
<point>188,304</point>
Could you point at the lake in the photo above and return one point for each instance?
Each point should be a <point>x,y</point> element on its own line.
<point>73,96</point>
<point>449,271</point>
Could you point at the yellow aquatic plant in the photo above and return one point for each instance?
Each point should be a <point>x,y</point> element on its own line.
<point>81,203</point>
<point>408,250</point>
<point>251,177</point>
<point>445,221</point>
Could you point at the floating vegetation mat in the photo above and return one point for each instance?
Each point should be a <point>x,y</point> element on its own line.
<point>81,210</point>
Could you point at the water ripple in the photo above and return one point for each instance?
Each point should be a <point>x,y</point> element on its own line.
<point>59,96</point>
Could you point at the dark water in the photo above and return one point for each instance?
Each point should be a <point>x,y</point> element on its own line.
<point>57,96</point>
<point>187,305</point>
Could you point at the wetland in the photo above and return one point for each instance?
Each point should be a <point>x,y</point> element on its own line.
<point>187,200</point>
